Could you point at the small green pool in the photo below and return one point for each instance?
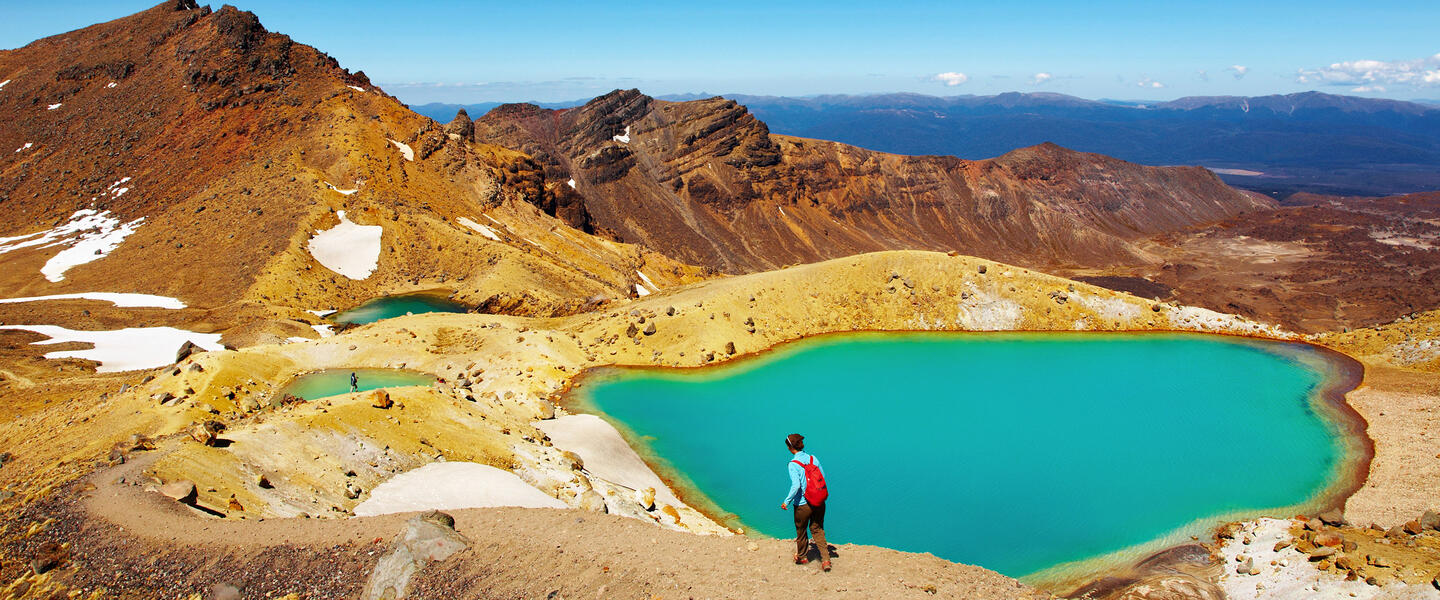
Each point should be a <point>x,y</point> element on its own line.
<point>1016,452</point>
<point>389,307</point>
<point>333,382</point>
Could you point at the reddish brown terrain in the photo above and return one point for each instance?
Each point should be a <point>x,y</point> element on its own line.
<point>706,183</point>
<point>1320,263</point>
<point>226,147</point>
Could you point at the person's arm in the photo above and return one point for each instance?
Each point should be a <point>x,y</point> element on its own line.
<point>797,480</point>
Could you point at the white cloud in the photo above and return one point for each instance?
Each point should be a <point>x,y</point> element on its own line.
<point>1239,70</point>
<point>951,78</point>
<point>1202,75</point>
<point>1365,89</point>
<point>1040,78</point>
<point>1146,82</point>
<point>1374,73</point>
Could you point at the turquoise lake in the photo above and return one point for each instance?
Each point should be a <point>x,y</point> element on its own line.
<point>333,382</point>
<point>1016,452</point>
<point>389,307</point>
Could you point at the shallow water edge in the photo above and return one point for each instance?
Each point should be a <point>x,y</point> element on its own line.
<point>1340,374</point>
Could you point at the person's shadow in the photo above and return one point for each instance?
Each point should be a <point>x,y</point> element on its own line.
<point>813,553</point>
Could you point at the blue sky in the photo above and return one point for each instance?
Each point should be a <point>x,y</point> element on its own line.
<point>549,51</point>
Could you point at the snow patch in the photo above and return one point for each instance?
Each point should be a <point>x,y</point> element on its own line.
<point>90,234</point>
<point>356,88</point>
<point>53,106</point>
<point>27,146</point>
<point>405,150</point>
<point>452,486</point>
<point>110,85</point>
<point>641,291</point>
<point>605,453</point>
<point>4,83</point>
<point>120,300</point>
<point>481,229</point>
<point>297,339</point>
<point>623,138</point>
<point>323,330</point>
<point>322,313</point>
<point>342,192</point>
<point>123,349</point>
<point>348,249</point>
<point>648,283</point>
<point>571,183</point>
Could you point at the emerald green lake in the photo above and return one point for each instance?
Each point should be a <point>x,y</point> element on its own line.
<point>389,307</point>
<point>1021,453</point>
<point>333,382</point>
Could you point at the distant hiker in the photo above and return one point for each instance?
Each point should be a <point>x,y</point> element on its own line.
<point>808,493</point>
<point>354,382</point>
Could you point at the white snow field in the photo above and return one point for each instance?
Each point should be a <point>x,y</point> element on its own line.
<point>123,349</point>
<point>119,299</point>
<point>91,235</point>
<point>348,249</point>
<point>343,192</point>
<point>624,138</point>
<point>481,229</point>
<point>404,149</point>
<point>450,486</point>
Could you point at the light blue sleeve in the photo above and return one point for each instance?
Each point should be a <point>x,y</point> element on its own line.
<point>797,484</point>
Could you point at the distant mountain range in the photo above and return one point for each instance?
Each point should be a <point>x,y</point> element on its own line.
<point>1279,145</point>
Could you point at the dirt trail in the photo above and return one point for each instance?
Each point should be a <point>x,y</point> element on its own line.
<point>132,541</point>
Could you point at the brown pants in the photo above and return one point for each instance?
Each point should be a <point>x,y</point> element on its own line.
<point>814,518</point>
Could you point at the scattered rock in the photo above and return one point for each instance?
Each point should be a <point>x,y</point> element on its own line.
<point>207,432</point>
<point>646,498</point>
<point>224,591</point>
<point>1322,552</point>
<point>592,501</point>
<point>730,348</point>
<point>264,482</point>
<point>1345,562</point>
<point>1413,527</point>
<point>752,546</point>
<point>430,536</point>
<point>1246,567</point>
<point>669,311</point>
<point>48,556</point>
<point>650,329</point>
<point>1430,520</point>
<point>981,269</point>
<point>1333,518</point>
<point>1328,538</point>
<point>381,399</point>
<point>632,330</point>
<point>182,491</point>
<point>235,505</point>
<point>139,442</point>
<point>186,350</point>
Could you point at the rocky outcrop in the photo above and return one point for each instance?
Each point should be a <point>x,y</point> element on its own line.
<point>705,182</point>
<point>428,537</point>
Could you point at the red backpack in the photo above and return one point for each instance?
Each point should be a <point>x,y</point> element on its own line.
<point>815,492</point>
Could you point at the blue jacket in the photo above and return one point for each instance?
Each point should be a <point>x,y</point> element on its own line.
<point>796,496</point>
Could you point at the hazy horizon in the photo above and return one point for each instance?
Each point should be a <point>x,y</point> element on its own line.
<point>464,52</point>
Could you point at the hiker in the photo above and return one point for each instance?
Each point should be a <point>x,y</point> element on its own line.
<point>354,382</point>
<point>808,493</point>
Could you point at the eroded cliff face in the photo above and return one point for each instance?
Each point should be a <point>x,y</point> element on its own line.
<point>705,182</point>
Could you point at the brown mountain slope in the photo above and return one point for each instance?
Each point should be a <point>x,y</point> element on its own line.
<point>705,182</point>
<point>232,143</point>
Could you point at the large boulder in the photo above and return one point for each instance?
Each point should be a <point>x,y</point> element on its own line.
<point>429,536</point>
<point>186,349</point>
<point>182,491</point>
<point>461,125</point>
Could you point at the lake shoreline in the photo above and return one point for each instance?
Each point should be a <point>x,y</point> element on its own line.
<point>1341,375</point>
